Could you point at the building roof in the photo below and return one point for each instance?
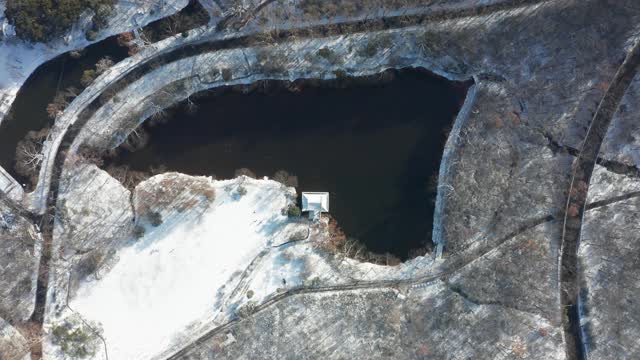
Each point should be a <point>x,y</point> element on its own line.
<point>315,201</point>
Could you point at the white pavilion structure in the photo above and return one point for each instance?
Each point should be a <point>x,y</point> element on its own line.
<point>315,203</point>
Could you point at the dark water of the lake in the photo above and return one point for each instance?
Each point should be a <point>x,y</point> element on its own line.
<point>28,111</point>
<point>374,147</point>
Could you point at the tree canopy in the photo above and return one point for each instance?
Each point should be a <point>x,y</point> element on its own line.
<point>44,20</point>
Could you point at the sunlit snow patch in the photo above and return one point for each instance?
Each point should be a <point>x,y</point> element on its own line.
<point>170,279</point>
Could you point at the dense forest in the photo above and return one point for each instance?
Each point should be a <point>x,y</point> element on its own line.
<point>45,20</point>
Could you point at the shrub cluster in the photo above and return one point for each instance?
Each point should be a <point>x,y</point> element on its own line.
<point>173,191</point>
<point>155,218</point>
<point>75,342</point>
<point>375,44</point>
<point>138,231</point>
<point>90,264</point>
<point>329,55</point>
<point>242,191</point>
<point>101,66</point>
<point>293,211</point>
<point>245,172</point>
<point>285,178</point>
<point>337,242</point>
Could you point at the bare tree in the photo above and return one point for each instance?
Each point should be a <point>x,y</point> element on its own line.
<point>170,27</point>
<point>246,172</point>
<point>137,139</point>
<point>191,106</point>
<point>70,93</point>
<point>158,113</point>
<point>61,101</point>
<point>56,107</point>
<point>103,65</point>
<point>31,156</point>
<point>28,156</point>
<point>125,39</point>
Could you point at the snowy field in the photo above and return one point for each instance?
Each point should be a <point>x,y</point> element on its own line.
<point>202,267</point>
<point>179,274</point>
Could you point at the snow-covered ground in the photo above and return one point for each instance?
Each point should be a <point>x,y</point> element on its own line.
<point>180,273</point>
<point>204,265</point>
<point>18,59</point>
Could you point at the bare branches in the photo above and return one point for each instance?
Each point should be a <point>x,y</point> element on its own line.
<point>103,65</point>
<point>28,156</point>
<point>31,156</point>
<point>337,242</point>
<point>129,178</point>
<point>137,139</point>
<point>56,107</point>
<point>191,106</point>
<point>89,75</point>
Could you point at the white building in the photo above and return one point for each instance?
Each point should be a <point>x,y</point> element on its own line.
<point>315,203</point>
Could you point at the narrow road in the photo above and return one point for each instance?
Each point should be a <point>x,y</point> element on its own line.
<point>576,202</point>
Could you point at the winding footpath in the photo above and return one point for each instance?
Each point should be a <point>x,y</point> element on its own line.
<point>452,266</point>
